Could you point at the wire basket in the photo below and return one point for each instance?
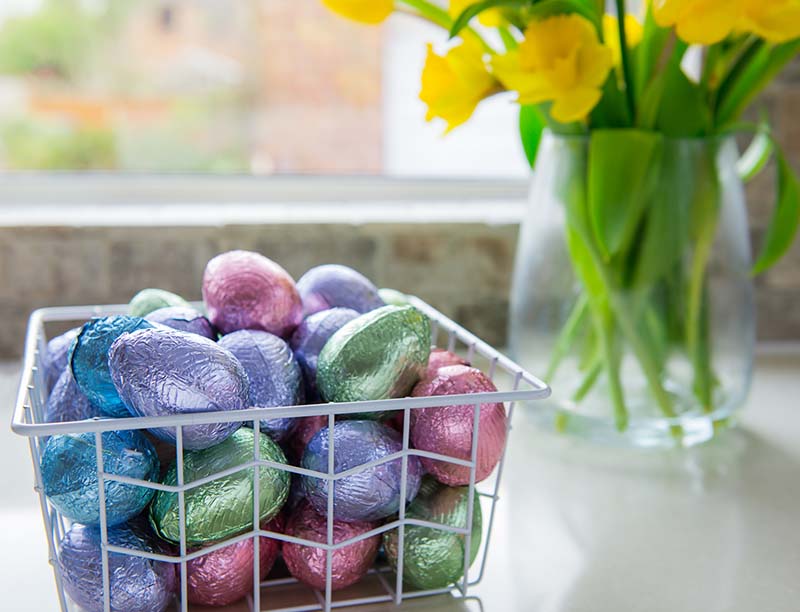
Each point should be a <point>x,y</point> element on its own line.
<point>382,584</point>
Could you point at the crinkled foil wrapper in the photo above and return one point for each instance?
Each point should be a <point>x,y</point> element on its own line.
<point>222,507</point>
<point>67,402</point>
<point>164,371</point>
<point>371,494</point>
<point>447,430</point>
<point>245,290</point>
<point>136,583</point>
<point>185,319</point>
<point>150,299</point>
<point>225,575</point>
<point>379,355</point>
<point>274,374</point>
<point>307,427</point>
<point>434,558</point>
<point>55,358</point>
<point>69,474</point>
<point>333,285</point>
<point>308,564</point>
<point>89,360</point>
<point>441,358</point>
<point>309,338</point>
<point>393,297</point>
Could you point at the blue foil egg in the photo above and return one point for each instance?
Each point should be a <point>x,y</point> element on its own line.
<point>165,371</point>
<point>88,360</point>
<point>371,494</point>
<point>69,474</point>
<point>55,357</point>
<point>309,338</point>
<point>67,402</point>
<point>333,285</point>
<point>136,584</point>
<point>184,318</point>
<point>274,374</point>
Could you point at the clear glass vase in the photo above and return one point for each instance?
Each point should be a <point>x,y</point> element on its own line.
<point>632,293</point>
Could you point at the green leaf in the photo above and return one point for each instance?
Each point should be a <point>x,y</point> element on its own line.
<point>683,111</point>
<point>647,53</point>
<point>757,154</point>
<point>531,125</point>
<point>785,218</point>
<point>476,9</point>
<point>547,8</point>
<point>623,168</point>
<point>612,110</point>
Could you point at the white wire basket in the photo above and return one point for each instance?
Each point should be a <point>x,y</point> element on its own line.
<point>382,584</point>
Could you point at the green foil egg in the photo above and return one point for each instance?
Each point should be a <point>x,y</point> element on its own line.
<point>434,558</point>
<point>149,300</point>
<point>379,355</point>
<point>393,297</point>
<point>222,507</point>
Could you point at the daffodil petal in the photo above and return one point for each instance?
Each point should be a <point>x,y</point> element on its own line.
<point>576,106</point>
<point>776,21</point>
<point>364,11</point>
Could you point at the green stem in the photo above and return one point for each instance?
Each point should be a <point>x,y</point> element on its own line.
<point>604,322</point>
<point>437,15</point>
<point>566,336</point>
<point>626,62</point>
<point>588,380</point>
<point>695,318</point>
<point>508,39</point>
<point>751,47</point>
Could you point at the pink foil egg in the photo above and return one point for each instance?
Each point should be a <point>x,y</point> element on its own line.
<point>447,430</point>
<point>307,563</point>
<point>441,358</point>
<point>245,290</point>
<point>225,575</point>
<point>304,431</point>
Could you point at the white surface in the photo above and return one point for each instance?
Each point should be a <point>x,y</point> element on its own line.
<point>580,529</point>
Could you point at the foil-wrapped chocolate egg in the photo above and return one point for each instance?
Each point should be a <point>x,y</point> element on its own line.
<point>441,358</point>
<point>349,564</point>
<point>69,475</point>
<point>136,583</point>
<point>434,558</point>
<point>88,360</point>
<point>447,430</point>
<point>165,371</point>
<point>393,297</point>
<point>370,494</point>
<point>225,575</point>
<point>379,355</point>
<point>305,429</point>
<point>310,337</point>
<point>274,374</point>
<point>67,402</point>
<point>245,290</point>
<point>54,360</point>
<point>185,319</point>
<point>224,506</point>
<point>150,299</point>
<point>333,285</point>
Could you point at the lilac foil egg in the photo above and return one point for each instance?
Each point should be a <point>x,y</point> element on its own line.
<point>309,338</point>
<point>225,575</point>
<point>447,430</point>
<point>67,402</point>
<point>137,584</point>
<point>333,285</point>
<point>56,356</point>
<point>308,563</point>
<point>371,494</point>
<point>165,371</point>
<point>184,318</point>
<point>274,375</point>
<point>245,290</point>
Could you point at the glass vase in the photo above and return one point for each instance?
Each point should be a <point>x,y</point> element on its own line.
<point>632,294</point>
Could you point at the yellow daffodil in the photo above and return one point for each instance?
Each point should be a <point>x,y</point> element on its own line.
<point>700,22</point>
<point>365,11</point>
<point>490,18</point>
<point>633,33</point>
<point>454,84</point>
<point>561,60</point>
<point>774,20</point>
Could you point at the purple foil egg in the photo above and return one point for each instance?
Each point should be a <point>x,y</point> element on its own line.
<point>333,285</point>
<point>225,575</point>
<point>274,375</point>
<point>56,356</point>
<point>349,564</point>
<point>165,371</point>
<point>309,338</point>
<point>67,402</point>
<point>447,430</point>
<point>184,318</point>
<point>245,290</point>
<point>137,584</point>
<point>374,492</point>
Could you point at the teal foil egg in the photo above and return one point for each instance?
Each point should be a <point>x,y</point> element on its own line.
<point>150,299</point>
<point>379,355</point>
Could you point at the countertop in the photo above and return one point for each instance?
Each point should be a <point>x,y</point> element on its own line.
<point>579,528</point>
